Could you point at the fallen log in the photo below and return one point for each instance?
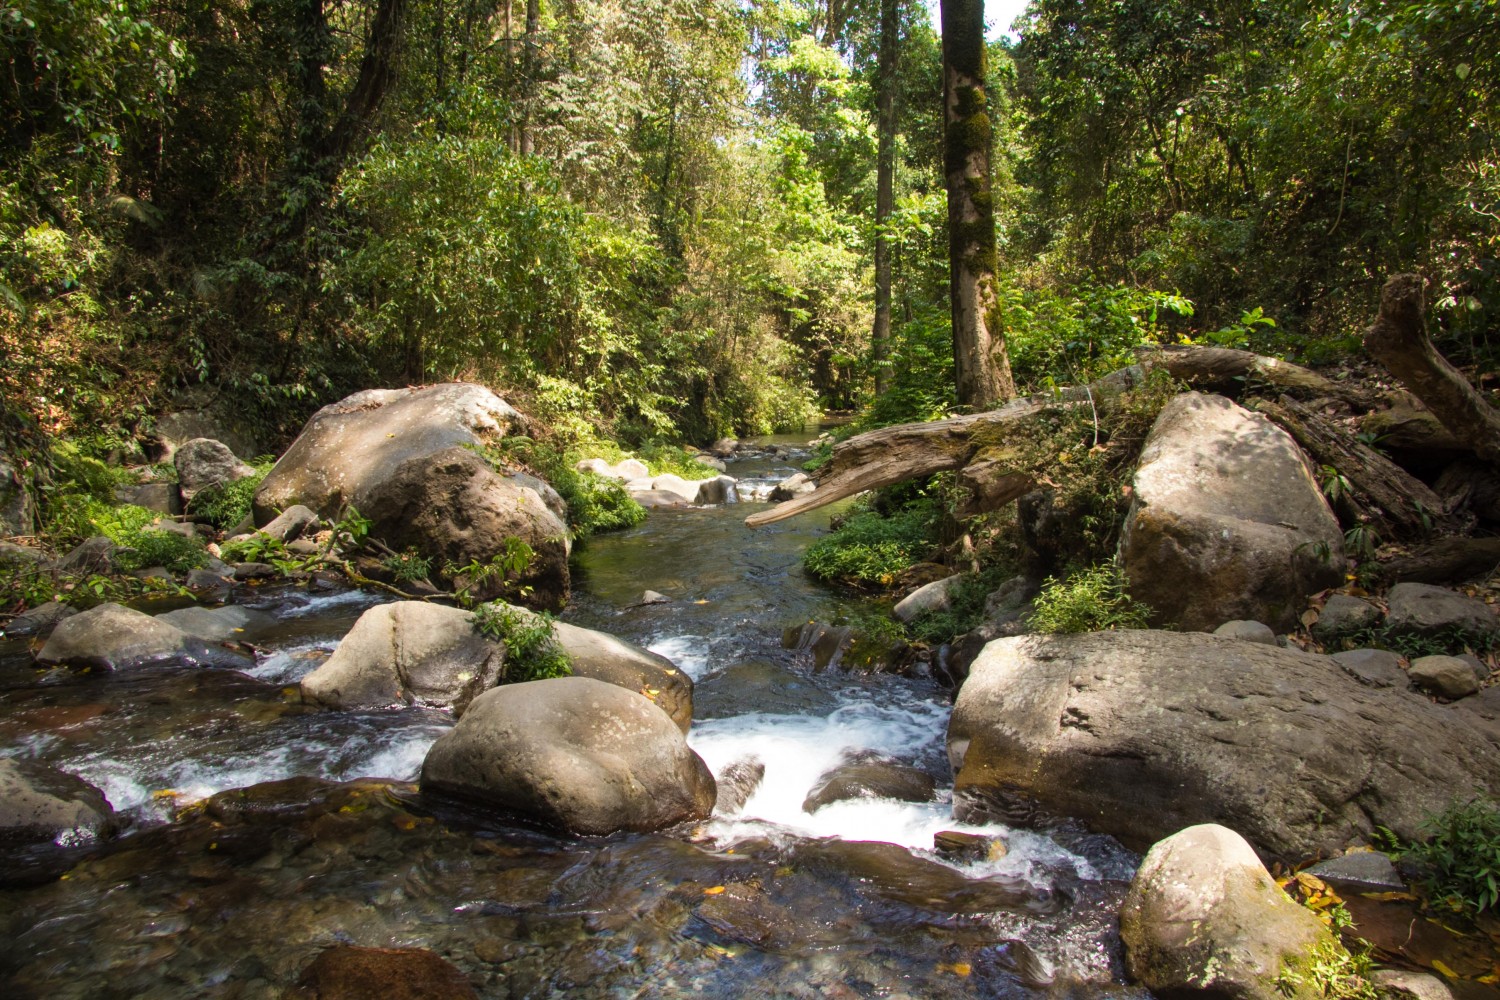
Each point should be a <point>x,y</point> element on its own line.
<point>1398,340</point>
<point>1395,503</point>
<point>1444,561</point>
<point>1231,372</point>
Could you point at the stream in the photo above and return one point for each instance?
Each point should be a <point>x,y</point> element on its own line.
<point>260,831</point>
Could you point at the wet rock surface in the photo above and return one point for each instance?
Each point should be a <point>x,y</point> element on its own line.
<point>870,776</point>
<point>110,637</point>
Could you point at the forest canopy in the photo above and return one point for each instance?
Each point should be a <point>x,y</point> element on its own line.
<point>659,220</point>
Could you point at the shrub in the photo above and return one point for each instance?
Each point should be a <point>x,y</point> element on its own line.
<point>1093,600</point>
<point>408,566</point>
<point>178,553</point>
<point>531,650</point>
<point>1460,857</point>
<point>594,503</point>
<point>225,505</point>
<point>872,550</point>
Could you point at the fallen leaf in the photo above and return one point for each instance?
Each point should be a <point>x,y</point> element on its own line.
<point>713,890</point>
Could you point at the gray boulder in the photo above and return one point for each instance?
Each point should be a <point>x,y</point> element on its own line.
<point>718,490</point>
<point>451,506</point>
<point>1143,733</point>
<point>39,803</point>
<point>626,470</point>
<point>203,417</point>
<point>409,652</point>
<point>1247,632</point>
<point>725,447</point>
<point>1422,609</point>
<point>293,523</point>
<point>651,499</point>
<point>1204,916</point>
<point>91,556</point>
<point>38,620</point>
<point>1226,521</point>
<point>575,753</point>
<point>934,596</point>
<point>1343,615</point>
<point>220,624</point>
<point>1372,667</point>
<point>1445,676</point>
<point>603,657</point>
<point>793,486</point>
<point>204,462</point>
<point>110,637</point>
<point>349,449</point>
<point>675,484</point>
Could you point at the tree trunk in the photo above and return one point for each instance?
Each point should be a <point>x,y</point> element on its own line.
<point>885,170</point>
<point>981,364</point>
<point>1395,503</point>
<point>1398,340</point>
<point>528,74</point>
<point>1234,372</point>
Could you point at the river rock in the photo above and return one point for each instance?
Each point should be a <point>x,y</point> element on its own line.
<point>869,776</point>
<point>110,637</point>
<point>1359,871</point>
<point>1247,632</point>
<point>90,557</point>
<point>1422,609</point>
<point>1226,520</point>
<point>725,447</point>
<point>345,972</point>
<point>1445,676</point>
<point>1403,984</point>
<point>626,470</point>
<point>164,498</point>
<point>1204,916</point>
<point>718,490</point>
<point>204,462</point>
<point>1343,615</point>
<point>657,498</point>
<point>1372,667</point>
<point>220,624</point>
<point>1142,733</point>
<point>675,484</point>
<point>603,657</point>
<point>934,596</point>
<point>349,449</point>
<point>407,652</point>
<point>38,620</point>
<point>736,783</point>
<point>575,753</point>
<point>39,803</point>
<point>793,486</point>
<point>451,506</point>
<point>293,523</point>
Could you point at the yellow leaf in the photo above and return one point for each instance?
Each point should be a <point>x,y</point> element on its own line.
<point>713,890</point>
<point>1311,882</point>
<point>1309,617</point>
<point>957,968</point>
<point>1438,965</point>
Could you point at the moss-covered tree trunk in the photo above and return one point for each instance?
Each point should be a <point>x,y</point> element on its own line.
<point>885,171</point>
<point>981,364</point>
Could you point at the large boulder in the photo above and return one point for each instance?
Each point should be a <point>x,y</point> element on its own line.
<point>39,803</point>
<point>574,753</point>
<point>350,448</point>
<point>1226,521</point>
<point>408,652</point>
<point>1143,733</point>
<point>1204,916</point>
<point>1422,609</point>
<point>451,506</point>
<point>604,657</point>
<point>111,637</point>
<point>204,462</point>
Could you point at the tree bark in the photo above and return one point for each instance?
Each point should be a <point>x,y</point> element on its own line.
<point>1398,340</point>
<point>528,74</point>
<point>1395,503</point>
<point>1233,372</point>
<point>1444,561</point>
<point>981,363</point>
<point>885,170</point>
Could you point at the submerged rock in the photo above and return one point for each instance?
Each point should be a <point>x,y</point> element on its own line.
<point>869,776</point>
<point>111,637</point>
<point>1201,545</point>
<point>736,783</point>
<point>219,624</point>
<point>345,972</point>
<point>574,753</point>
<point>1203,915</point>
<point>1143,733</point>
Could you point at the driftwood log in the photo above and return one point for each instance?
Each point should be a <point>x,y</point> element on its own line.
<point>1398,340</point>
<point>1444,560</point>
<point>1395,503</point>
<point>893,455</point>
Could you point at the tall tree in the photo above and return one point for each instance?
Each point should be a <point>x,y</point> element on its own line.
<point>885,171</point>
<point>981,364</point>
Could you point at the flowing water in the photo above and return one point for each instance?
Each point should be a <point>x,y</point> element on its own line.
<point>259,832</point>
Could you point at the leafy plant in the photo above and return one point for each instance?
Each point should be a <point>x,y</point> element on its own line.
<point>870,549</point>
<point>177,553</point>
<point>408,566</point>
<point>1333,973</point>
<point>1093,600</point>
<point>477,577</point>
<point>225,505</point>
<point>531,649</point>
<point>259,547</point>
<point>1459,857</point>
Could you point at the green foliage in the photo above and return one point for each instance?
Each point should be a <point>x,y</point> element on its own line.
<point>965,611</point>
<point>1450,641</point>
<point>594,503</point>
<point>177,553</point>
<point>408,566</point>
<point>477,577</point>
<point>871,550</point>
<point>258,547</point>
<point>1331,972</point>
<point>225,505</point>
<point>531,650</point>
<point>1092,600</point>
<point>1459,855</point>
